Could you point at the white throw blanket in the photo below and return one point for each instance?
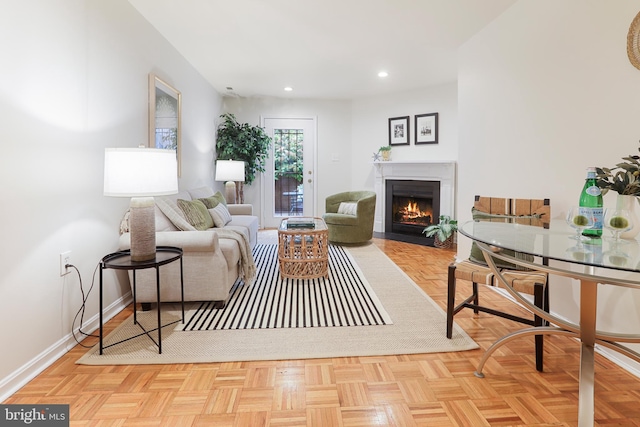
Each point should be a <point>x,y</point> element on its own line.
<point>247,265</point>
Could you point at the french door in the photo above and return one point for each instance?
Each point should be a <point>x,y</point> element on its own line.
<point>288,183</point>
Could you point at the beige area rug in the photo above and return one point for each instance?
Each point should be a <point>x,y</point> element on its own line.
<point>418,327</point>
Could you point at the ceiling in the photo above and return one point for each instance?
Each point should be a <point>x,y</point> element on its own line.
<point>322,49</point>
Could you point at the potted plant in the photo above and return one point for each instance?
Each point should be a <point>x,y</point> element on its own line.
<point>241,141</point>
<point>624,179</point>
<point>442,232</point>
<point>385,151</point>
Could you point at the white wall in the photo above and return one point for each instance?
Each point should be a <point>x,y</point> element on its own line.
<point>370,128</point>
<point>334,154</point>
<point>349,132</point>
<point>545,91</point>
<point>73,81</point>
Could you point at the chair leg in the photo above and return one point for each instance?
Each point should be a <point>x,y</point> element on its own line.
<point>476,299</point>
<point>547,307</point>
<point>451,298</point>
<point>539,296</point>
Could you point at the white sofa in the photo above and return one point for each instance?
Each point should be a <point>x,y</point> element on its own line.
<point>211,258</point>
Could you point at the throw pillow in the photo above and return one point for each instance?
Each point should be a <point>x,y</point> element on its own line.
<point>196,214</point>
<point>348,208</point>
<point>174,213</point>
<point>476,254</point>
<point>220,215</point>
<point>213,201</point>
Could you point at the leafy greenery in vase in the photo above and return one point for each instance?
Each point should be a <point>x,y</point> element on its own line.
<point>443,229</point>
<point>624,178</point>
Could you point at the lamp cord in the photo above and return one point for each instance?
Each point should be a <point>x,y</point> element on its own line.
<point>82,306</point>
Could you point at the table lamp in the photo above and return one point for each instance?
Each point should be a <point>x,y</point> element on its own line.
<point>140,173</point>
<point>230,171</point>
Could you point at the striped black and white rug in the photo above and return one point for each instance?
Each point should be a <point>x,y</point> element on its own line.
<point>345,298</point>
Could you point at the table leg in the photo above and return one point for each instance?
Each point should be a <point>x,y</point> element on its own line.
<point>182,290</point>
<point>159,310</point>
<point>588,305</point>
<point>101,302</point>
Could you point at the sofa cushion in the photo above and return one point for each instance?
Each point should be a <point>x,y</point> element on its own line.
<point>196,214</point>
<point>247,224</point>
<point>340,219</point>
<point>162,222</point>
<point>213,201</point>
<point>220,215</point>
<point>174,213</point>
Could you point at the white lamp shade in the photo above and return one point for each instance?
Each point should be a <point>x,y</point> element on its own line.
<point>229,170</point>
<point>136,172</point>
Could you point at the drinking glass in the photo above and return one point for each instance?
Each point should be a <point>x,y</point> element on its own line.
<point>617,221</point>
<point>579,222</point>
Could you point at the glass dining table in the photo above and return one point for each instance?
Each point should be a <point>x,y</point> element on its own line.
<point>593,262</point>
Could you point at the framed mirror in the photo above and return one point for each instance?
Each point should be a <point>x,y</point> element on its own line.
<point>165,116</point>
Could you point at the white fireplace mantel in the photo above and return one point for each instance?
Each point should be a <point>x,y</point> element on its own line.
<point>443,171</point>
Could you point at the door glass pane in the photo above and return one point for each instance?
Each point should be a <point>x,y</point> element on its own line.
<point>288,169</point>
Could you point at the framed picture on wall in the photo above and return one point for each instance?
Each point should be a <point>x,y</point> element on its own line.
<point>165,116</point>
<point>399,130</point>
<point>426,128</point>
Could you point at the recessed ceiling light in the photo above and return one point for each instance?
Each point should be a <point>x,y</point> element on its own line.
<point>288,88</point>
<point>383,74</point>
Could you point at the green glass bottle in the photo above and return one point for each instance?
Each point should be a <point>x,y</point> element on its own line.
<point>591,204</point>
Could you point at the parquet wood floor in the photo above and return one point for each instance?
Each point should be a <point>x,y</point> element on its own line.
<point>412,390</point>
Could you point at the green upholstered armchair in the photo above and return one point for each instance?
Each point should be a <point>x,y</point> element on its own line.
<point>354,223</point>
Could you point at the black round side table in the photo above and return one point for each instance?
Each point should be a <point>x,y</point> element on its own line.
<point>121,260</point>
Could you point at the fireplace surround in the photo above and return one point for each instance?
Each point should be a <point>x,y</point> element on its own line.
<point>410,206</point>
<point>412,177</point>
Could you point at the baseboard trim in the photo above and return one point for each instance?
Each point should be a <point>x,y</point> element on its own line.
<point>20,377</point>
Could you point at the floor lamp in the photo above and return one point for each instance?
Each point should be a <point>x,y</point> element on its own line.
<point>230,171</point>
<point>141,173</point>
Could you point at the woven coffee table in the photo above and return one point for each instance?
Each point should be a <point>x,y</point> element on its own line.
<point>303,251</point>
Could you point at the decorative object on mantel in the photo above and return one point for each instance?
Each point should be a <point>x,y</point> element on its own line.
<point>624,179</point>
<point>385,152</point>
<point>399,130</point>
<point>426,128</point>
<point>633,42</point>
<point>242,142</point>
<point>442,232</point>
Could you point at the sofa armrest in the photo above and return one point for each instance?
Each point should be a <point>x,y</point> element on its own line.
<point>240,209</point>
<point>189,241</point>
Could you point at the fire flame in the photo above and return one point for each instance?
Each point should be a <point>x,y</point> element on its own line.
<point>413,212</point>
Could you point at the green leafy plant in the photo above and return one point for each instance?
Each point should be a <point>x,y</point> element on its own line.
<point>384,148</point>
<point>288,156</point>
<point>241,141</point>
<point>624,178</point>
<point>443,229</point>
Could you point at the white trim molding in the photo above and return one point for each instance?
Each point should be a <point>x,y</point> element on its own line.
<point>444,172</point>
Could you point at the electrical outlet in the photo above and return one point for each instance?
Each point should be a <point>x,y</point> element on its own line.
<point>65,258</point>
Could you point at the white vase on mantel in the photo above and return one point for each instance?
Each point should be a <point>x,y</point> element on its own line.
<point>629,203</point>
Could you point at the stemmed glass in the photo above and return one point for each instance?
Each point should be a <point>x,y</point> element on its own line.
<point>617,221</point>
<point>579,221</point>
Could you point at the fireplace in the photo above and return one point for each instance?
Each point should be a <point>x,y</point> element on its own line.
<point>441,172</point>
<point>410,206</point>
